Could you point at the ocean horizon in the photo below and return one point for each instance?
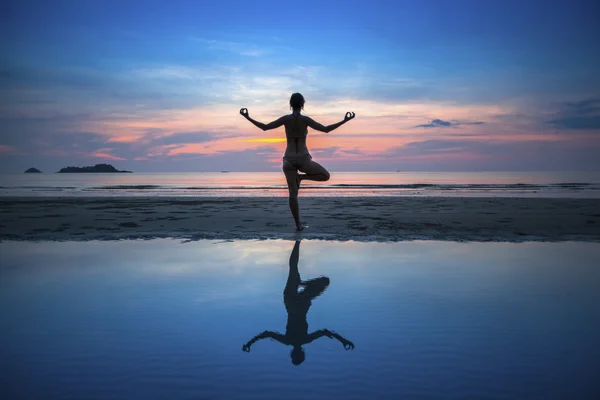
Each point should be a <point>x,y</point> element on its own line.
<point>569,184</point>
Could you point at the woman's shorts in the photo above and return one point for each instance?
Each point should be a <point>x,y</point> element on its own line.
<point>298,162</point>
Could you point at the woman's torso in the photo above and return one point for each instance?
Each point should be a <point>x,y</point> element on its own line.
<point>296,132</point>
<point>296,328</point>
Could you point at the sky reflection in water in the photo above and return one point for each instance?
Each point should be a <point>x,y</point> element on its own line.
<point>161,318</point>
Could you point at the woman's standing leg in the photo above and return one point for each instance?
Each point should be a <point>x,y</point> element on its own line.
<point>293,281</point>
<point>291,176</point>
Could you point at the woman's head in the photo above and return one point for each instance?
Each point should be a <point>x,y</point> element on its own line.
<point>297,355</point>
<point>297,101</point>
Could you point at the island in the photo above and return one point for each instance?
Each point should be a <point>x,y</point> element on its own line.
<point>101,168</point>
<point>33,171</point>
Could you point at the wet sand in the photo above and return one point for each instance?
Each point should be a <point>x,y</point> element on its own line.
<point>358,219</point>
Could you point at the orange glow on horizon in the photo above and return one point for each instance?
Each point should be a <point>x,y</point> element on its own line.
<point>266,140</point>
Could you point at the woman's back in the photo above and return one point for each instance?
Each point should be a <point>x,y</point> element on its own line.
<point>296,126</point>
<point>296,130</point>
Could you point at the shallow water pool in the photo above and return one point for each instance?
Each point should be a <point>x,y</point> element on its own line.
<point>258,320</point>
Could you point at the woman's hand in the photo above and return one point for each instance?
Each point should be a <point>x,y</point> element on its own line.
<point>244,112</point>
<point>246,348</point>
<point>349,115</point>
<point>348,345</point>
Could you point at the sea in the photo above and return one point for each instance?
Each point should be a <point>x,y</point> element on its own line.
<point>564,184</point>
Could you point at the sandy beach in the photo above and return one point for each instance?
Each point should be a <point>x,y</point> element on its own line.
<point>359,219</point>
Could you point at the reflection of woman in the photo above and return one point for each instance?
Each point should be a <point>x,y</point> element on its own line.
<point>297,305</point>
<point>297,158</point>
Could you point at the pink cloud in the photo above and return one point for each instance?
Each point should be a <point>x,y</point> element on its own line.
<point>106,156</point>
<point>7,149</point>
<point>125,139</point>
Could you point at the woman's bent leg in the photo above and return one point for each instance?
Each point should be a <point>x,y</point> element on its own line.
<point>314,172</point>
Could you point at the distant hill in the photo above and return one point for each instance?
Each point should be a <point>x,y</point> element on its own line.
<point>102,168</point>
<point>33,171</point>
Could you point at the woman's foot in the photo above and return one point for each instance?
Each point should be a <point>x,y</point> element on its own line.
<point>298,180</point>
<point>299,227</point>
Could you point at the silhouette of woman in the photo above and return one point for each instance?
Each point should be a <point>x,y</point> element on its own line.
<point>296,157</point>
<point>297,305</point>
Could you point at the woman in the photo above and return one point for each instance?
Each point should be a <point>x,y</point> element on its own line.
<point>296,157</point>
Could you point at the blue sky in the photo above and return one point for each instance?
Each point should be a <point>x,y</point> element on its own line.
<point>151,85</point>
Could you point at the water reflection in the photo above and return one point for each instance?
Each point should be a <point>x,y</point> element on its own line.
<point>297,303</point>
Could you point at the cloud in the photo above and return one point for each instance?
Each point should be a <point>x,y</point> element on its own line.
<point>125,139</point>
<point>584,107</point>
<point>7,149</point>
<point>103,154</point>
<point>243,49</point>
<point>581,115</point>
<point>34,89</point>
<point>488,155</point>
<point>185,137</point>
<point>170,111</point>
<point>435,147</point>
<point>575,123</point>
<point>434,123</point>
<point>437,123</point>
<point>31,140</point>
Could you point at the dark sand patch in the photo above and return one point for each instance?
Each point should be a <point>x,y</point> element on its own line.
<point>373,219</point>
<point>129,225</point>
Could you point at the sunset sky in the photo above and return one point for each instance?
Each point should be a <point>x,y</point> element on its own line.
<point>435,85</point>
